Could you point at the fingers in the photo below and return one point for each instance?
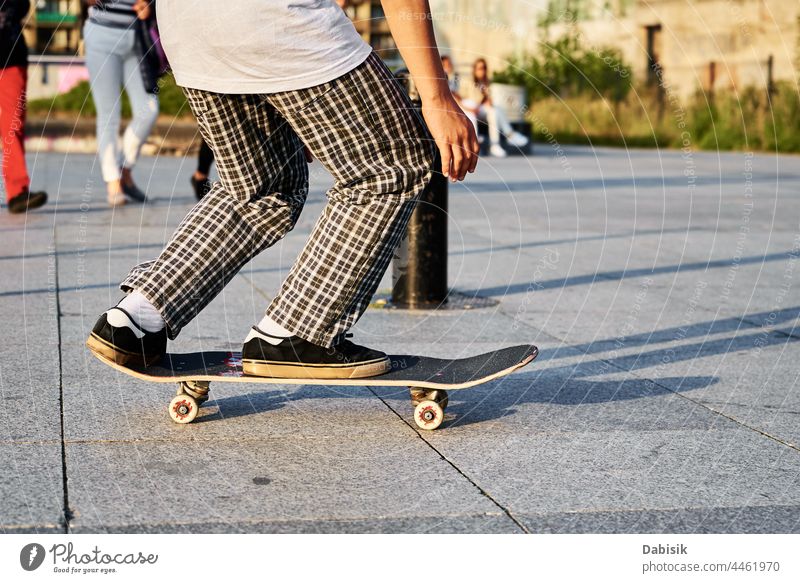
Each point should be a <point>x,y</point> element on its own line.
<point>444,150</point>
<point>465,157</point>
<point>475,149</point>
<point>459,166</point>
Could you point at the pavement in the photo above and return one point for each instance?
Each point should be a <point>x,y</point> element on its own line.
<point>660,287</point>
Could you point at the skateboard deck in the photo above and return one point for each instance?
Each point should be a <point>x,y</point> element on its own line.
<point>428,378</point>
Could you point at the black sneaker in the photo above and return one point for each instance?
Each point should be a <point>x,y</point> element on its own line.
<point>133,192</point>
<point>25,201</point>
<point>118,338</point>
<point>299,359</point>
<point>201,186</point>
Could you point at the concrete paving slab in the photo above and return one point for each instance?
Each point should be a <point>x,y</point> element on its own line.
<point>624,470</point>
<point>31,488</point>
<point>580,441</point>
<point>734,520</point>
<point>115,485</point>
<point>479,524</point>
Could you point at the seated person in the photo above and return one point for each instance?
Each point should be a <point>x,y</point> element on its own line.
<point>475,99</point>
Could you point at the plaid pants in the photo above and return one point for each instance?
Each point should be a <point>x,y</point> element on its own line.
<point>362,128</point>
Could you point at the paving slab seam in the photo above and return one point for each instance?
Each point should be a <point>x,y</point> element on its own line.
<point>252,284</point>
<point>678,393</point>
<point>279,438</point>
<point>267,521</point>
<point>30,442</point>
<point>67,513</point>
<point>505,510</point>
<point>600,510</point>
<point>7,528</point>
<point>200,440</point>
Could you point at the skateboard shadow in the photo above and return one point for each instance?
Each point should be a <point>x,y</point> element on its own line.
<point>258,401</point>
<point>507,396</point>
<point>582,383</point>
<point>546,381</point>
<point>221,408</point>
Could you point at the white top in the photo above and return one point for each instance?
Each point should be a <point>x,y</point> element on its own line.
<point>258,46</point>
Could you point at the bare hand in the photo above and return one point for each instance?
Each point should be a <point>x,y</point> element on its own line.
<point>142,9</point>
<point>454,136</point>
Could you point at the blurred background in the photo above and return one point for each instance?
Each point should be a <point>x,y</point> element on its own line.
<point>614,72</point>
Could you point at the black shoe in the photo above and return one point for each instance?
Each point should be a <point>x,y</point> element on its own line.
<point>299,359</point>
<point>26,201</point>
<point>124,342</point>
<point>201,186</point>
<point>132,192</point>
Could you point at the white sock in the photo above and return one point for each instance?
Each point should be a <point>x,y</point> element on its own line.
<point>269,330</point>
<point>143,312</point>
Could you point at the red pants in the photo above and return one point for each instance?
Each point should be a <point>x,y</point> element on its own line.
<point>13,81</point>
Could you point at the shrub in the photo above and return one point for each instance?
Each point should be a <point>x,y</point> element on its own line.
<point>567,69</point>
<point>79,100</point>
<point>744,120</point>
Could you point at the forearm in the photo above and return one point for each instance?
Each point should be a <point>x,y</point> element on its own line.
<point>412,29</point>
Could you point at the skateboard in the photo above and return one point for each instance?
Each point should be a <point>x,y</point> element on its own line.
<point>428,378</point>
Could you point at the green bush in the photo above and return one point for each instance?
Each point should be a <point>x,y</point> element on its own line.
<point>728,120</point>
<point>79,100</point>
<point>566,69</point>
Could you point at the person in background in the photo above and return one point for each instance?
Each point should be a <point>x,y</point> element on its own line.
<point>476,101</point>
<point>453,80</point>
<point>199,180</point>
<point>13,83</point>
<point>454,83</point>
<point>113,57</point>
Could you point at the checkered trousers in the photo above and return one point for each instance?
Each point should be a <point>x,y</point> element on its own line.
<point>362,128</point>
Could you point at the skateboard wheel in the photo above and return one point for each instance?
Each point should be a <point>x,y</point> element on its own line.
<point>183,409</point>
<point>428,415</point>
<point>442,398</point>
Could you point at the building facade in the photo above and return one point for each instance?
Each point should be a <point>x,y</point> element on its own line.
<point>692,44</point>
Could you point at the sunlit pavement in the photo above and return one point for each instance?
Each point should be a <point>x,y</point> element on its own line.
<point>660,287</point>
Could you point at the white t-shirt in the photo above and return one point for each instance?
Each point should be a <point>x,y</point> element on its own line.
<point>258,46</point>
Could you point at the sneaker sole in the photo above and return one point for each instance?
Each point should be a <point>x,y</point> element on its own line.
<point>117,355</point>
<point>273,369</point>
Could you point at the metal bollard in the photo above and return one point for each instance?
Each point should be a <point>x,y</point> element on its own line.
<point>419,265</point>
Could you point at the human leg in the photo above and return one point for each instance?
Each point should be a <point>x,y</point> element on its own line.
<point>468,106</point>
<point>264,181</point>
<point>205,157</point>
<point>12,128</point>
<point>103,60</point>
<point>513,137</point>
<point>363,129</point>
<point>199,180</point>
<point>144,107</point>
